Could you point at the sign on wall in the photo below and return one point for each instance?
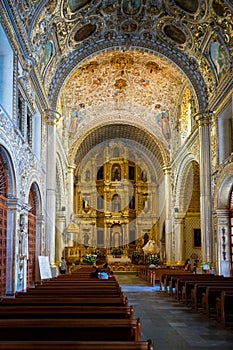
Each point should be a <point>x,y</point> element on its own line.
<point>44,265</point>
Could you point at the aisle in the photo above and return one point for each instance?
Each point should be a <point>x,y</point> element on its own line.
<point>171,325</point>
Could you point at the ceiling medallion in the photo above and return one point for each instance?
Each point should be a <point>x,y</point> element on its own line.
<point>190,6</point>
<point>218,8</point>
<point>84,32</point>
<point>131,7</point>
<point>129,26</point>
<point>70,8</point>
<point>190,10</point>
<point>174,33</point>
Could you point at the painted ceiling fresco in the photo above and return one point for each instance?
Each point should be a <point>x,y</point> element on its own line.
<point>142,53</point>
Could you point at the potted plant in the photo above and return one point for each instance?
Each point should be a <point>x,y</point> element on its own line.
<point>97,253</point>
<point>153,259</point>
<point>136,256</point>
<point>89,259</point>
<point>117,252</point>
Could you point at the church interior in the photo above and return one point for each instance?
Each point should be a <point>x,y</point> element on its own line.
<point>116,139</point>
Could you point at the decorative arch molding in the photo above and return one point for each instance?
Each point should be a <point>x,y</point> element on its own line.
<point>180,181</point>
<point>118,130</point>
<point>34,182</point>
<point>11,178</point>
<point>60,183</point>
<point>183,62</point>
<point>223,188</point>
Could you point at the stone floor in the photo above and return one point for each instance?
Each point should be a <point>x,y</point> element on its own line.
<point>170,324</point>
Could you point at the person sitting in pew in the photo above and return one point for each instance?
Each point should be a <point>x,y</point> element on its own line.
<point>103,275</point>
<point>95,273</point>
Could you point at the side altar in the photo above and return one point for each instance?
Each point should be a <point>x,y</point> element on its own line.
<point>121,259</point>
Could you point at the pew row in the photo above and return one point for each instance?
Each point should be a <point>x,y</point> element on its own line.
<point>224,308</point>
<point>200,287</point>
<point>76,345</point>
<point>40,311</point>
<point>210,295</point>
<point>72,329</point>
<point>113,301</point>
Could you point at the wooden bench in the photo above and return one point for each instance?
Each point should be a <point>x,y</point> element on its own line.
<point>40,311</point>
<point>71,329</point>
<point>76,345</point>
<point>224,308</point>
<point>210,295</point>
<point>84,301</point>
<point>200,287</point>
<point>50,293</point>
<point>166,278</point>
<point>184,285</point>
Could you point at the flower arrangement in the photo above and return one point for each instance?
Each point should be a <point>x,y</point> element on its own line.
<point>117,251</point>
<point>153,259</point>
<point>89,259</point>
<point>98,253</point>
<point>136,254</point>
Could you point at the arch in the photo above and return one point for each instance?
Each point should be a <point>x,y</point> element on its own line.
<point>181,61</point>
<point>223,187</point>
<point>9,172</point>
<point>225,192</point>
<point>99,134</point>
<point>181,200</point>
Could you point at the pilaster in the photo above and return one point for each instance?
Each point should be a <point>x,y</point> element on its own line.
<point>204,122</point>
<point>52,117</point>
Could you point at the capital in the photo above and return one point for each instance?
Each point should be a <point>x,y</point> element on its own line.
<point>204,118</point>
<point>51,116</point>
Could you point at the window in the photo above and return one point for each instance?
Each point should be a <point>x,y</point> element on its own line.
<point>100,173</point>
<point>131,173</point>
<point>197,238</point>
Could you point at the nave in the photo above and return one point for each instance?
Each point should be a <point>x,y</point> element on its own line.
<point>168,323</point>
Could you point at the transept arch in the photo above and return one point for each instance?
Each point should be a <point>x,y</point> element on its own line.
<point>126,131</point>
<point>180,189</point>
<point>188,66</point>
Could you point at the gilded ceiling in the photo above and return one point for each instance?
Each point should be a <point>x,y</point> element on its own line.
<point>156,58</point>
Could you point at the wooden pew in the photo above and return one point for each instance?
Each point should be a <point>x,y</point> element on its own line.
<point>40,311</point>
<point>166,278</point>
<point>84,301</point>
<point>76,345</point>
<point>200,287</point>
<point>224,308</point>
<point>210,295</point>
<point>183,285</point>
<point>71,329</point>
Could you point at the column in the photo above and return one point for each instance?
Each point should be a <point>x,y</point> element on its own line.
<point>168,226</point>
<point>179,239</point>
<point>204,121</point>
<point>59,241</point>
<point>70,180</point>
<point>52,117</point>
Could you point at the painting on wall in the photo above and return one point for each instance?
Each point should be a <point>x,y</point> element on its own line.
<point>131,7</point>
<point>218,57</point>
<point>45,56</point>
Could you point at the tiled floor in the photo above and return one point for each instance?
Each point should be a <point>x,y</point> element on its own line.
<point>170,324</point>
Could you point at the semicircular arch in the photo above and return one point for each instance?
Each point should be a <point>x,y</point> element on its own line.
<point>188,66</point>
<point>110,131</point>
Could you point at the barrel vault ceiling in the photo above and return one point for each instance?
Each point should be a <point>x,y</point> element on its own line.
<point>123,61</point>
